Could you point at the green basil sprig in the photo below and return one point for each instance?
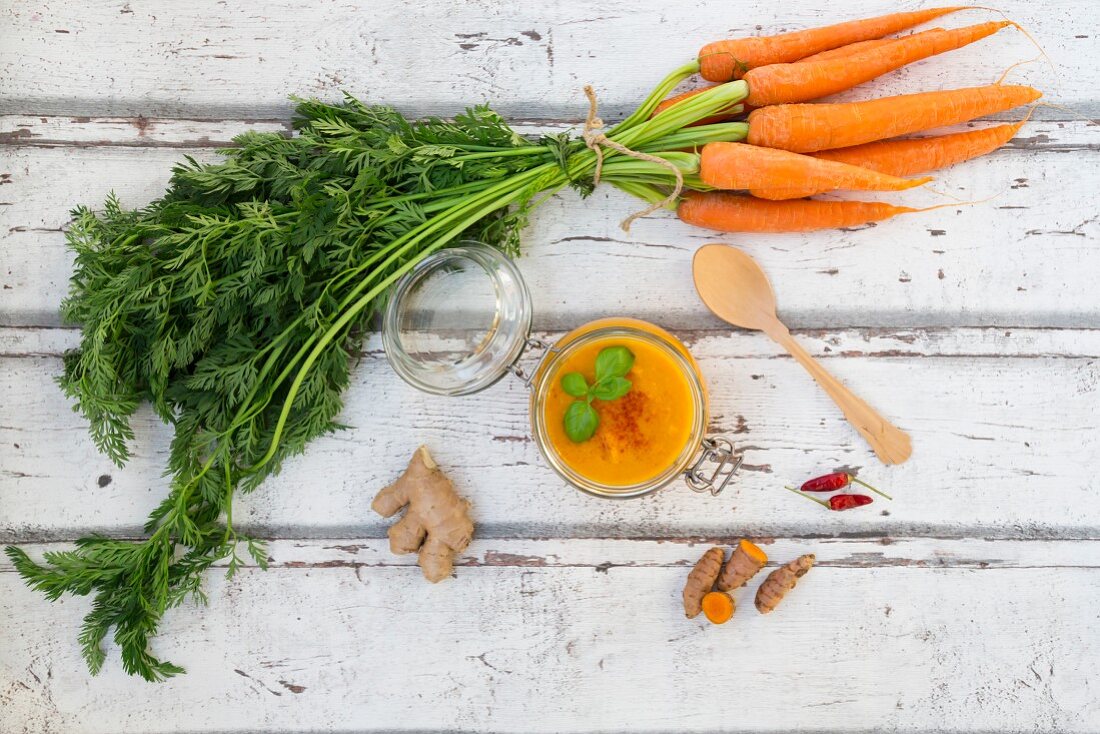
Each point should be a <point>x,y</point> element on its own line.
<point>612,364</point>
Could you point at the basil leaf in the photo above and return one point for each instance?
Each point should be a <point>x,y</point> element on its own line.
<point>574,384</point>
<point>581,420</point>
<point>613,362</point>
<point>612,388</point>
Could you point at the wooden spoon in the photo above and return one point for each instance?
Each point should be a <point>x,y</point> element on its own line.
<point>734,287</point>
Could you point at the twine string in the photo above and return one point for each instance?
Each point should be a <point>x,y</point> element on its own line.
<point>596,141</point>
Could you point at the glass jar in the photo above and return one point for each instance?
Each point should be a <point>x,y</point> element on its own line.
<point>461,319</point>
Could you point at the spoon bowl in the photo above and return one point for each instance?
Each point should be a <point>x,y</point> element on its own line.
<point>734,287</point>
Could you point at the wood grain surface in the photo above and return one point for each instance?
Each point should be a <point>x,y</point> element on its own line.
<point>217,59</point>
<point>969,603</point>
<point>584,635</point>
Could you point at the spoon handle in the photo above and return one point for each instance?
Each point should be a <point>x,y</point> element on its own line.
<point>890,443</point>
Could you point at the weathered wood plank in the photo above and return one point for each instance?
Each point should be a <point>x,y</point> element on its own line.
<point>938,268</point>
<point>994,456</point>
<point>212,59</point>
<point>928,637</point>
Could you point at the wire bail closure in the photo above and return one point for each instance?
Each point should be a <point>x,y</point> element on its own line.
<point>720,451</point>
<point>530,344</point>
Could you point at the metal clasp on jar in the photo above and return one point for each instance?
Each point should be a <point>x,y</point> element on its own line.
<point>530,344</point>
<point>719,451</point>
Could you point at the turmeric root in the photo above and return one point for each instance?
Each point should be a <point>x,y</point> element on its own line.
<point>718,606</point>
<point>780,581</point>
<point>746,560</point>
<point>701,581</point>
<point>437,522</point>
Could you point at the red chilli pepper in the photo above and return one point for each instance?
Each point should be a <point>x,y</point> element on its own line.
<point>835,481</point>
<point>848,501</point>
<point>838,501</point>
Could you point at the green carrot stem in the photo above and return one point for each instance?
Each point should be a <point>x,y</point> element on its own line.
<point>709,103</point>
<point>666,85</point>
<point>722,132</point>
<point>500,152</point>
<point>685,162</point>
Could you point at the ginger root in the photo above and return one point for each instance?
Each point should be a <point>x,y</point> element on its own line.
<point>780,581</point>
<point>701,580</point>
<point>718,606</point>
<point>746,560</point>
<point>437,522</point>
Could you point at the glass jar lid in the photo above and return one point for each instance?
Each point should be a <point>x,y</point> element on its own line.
<point>458,320</point>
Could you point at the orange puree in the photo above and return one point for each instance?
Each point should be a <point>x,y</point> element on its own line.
<point>641,434</point>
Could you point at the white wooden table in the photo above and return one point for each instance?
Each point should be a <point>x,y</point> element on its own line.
<point>971,602</point>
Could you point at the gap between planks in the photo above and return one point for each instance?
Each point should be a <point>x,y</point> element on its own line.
<point>52,131</point>
<point>604,554</point>
<point>982,342</point>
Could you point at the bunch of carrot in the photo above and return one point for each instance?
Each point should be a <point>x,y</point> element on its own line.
<point>766,141</point>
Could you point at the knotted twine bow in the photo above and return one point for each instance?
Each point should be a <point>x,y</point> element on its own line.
<point>595,139</point>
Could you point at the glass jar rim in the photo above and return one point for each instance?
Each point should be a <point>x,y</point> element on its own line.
<point>544,379</point>
<point>498,350</point>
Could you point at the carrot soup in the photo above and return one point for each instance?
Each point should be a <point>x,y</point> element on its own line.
<point>642,436</point>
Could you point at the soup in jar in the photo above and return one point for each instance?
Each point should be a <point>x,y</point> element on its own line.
<point>640,434</point>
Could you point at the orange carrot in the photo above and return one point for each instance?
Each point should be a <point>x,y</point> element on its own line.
<point>911,155</point>
<point>722,61</point>
<point>735,213</point>
<point>780,174</point>
<point>916,155</point>
<point>835,53</point>
<point>807,128</point>
<point>851,48</point>
<point>806,80</point>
